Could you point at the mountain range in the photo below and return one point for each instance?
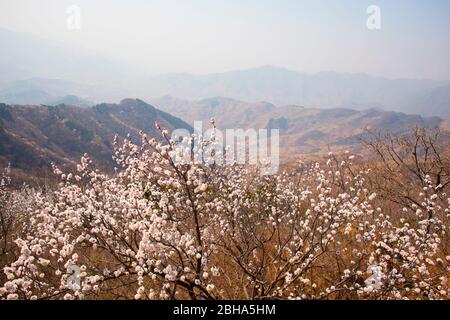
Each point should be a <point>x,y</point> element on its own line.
<point>37,71</point>
<point>58,102</point>
<point>34,136</point>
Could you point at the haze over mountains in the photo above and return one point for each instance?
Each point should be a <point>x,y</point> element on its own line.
<point>322,90</point>
<point>36,71</point>
<point>25,55</point>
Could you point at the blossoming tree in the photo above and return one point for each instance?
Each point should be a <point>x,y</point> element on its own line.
<point>158,229</point>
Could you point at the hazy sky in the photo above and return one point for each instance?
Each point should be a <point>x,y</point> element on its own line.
<point>202,36</point>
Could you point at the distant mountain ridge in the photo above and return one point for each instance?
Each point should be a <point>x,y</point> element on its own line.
<point>321,90</point>
<point>44,91</point>
<point>71,100</point>
<point>37,71</point>
<point>31,137</point>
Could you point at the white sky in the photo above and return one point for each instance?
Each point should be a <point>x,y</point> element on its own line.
<point>203,36</point>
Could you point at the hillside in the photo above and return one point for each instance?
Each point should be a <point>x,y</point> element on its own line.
<point>303,130</point>
<point>31,137</point>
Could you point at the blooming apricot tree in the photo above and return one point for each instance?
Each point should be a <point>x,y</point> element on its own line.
<point>158,229</point>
